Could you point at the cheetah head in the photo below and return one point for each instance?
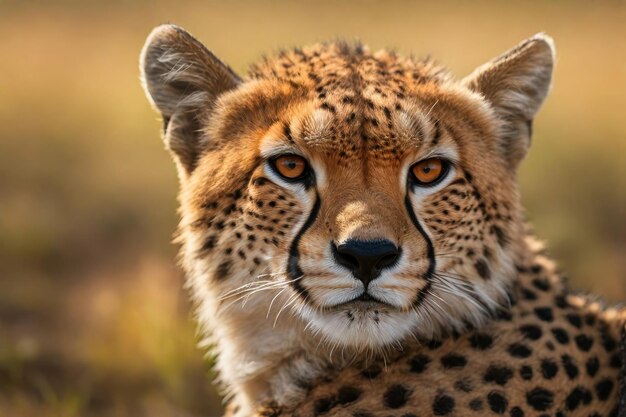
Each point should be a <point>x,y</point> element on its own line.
<point>365,196</point>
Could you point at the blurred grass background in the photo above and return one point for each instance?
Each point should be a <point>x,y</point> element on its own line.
<point>93,320</point>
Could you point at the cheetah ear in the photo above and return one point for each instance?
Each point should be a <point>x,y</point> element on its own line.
<point>182,80</point>
<point>515,84</point>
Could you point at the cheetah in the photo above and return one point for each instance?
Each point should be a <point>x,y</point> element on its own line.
<point>353,240</point>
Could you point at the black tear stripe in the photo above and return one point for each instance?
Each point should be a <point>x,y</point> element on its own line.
<point>430,252</point>
<point>293,268</point>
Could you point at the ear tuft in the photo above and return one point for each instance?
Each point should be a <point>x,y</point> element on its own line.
<point>182,80</point>
<point>516,84</point>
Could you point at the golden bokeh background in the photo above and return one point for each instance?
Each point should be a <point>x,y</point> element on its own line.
<point>93,317</point>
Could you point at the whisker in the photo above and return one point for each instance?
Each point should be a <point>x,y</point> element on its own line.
<point>245,286</point>
<point>245,296</point>
<point>272,302</point>
<point>290,300</point>
<point>251,286</point>
<point>273,284</point>
<point>250,292</point>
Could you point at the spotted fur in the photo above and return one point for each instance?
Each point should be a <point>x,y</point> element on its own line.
<point>552,353</point>
<point>470,319</point>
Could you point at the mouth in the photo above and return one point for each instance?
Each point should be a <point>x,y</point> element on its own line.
<point>365,302</point>
<point>363,322</point>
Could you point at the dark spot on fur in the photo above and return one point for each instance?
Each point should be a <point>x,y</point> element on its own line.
<point>592,365</point>
<point>604,388</point>
<point>396,396</point>
<point>223,270</point>
<point>498,374</point>
<point>230,209</point>
<point>549,368</point>
<point>528,294</point>
<point>476,404</point>
<point>518,350</point>
<point>500,235</point>
<point>324,405</point>
<point>526,372</point>
<point>348,395</point>
<point>452,360</point>
<point>541,283</point>
<point>560,301</point>
<point>583,342</point>
<point>578,396</point>
<point>616,361</point>
<point>483,269</point>
<point>540,398</point>
<point>434,344</point>
<point>209,243</point>
<point>464,385</point>
<point>481,341</point>
<point>608,342</point>
<point>560,335</point>
<point>544,313</point>
<point>419,363</point>
<point>303,383</point>
<point>329,107</point>
<point>443,405</point>
<point>497,402</point>
<point>570,367</point>
<point>574,320</point>
<point>531,331</point>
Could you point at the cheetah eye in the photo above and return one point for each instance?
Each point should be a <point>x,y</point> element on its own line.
<point>430,171</point>
<point>290,167</point>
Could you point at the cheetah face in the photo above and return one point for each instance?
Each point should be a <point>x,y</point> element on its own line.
<point>370,195</point>
<point>386,230</point>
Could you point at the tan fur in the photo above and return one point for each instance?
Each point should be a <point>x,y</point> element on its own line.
<point>271,299</point>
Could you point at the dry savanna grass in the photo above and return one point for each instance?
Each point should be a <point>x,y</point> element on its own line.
<point>93,317</point>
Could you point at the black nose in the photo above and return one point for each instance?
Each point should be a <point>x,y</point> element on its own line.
<point>366,259</point>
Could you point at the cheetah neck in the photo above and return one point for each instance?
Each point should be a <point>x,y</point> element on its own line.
<point>267,361</point>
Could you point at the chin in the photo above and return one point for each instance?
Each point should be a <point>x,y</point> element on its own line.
<point>360,326</point>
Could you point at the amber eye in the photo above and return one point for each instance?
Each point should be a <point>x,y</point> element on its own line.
<point>291,167</point>
<point>429,171</point>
